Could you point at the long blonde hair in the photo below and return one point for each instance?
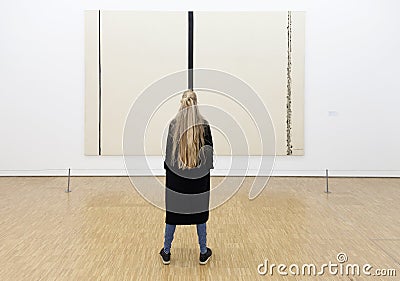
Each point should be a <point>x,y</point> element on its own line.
<point>188,132</point>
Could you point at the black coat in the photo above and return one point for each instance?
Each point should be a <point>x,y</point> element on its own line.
<point>182,208</point>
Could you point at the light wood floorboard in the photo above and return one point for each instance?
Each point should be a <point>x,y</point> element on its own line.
<point>104,230</point>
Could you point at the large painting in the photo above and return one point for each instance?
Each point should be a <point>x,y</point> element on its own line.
<point>126,51</point>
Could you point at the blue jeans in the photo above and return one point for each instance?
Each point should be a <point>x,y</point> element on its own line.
<point>201,233</point>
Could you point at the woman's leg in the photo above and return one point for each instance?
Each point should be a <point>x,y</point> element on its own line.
<point>168,236</point>
<point>202,234</point>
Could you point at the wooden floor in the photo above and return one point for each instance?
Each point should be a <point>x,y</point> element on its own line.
<point>104,230</point>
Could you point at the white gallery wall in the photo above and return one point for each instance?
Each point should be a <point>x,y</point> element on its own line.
<point>352,90</point>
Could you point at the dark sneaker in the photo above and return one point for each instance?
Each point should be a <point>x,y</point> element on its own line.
<point>166,258</point>
<point>205,257</point>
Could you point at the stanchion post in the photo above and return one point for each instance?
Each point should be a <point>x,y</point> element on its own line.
<point>327,178</point>
<point>69,180</point>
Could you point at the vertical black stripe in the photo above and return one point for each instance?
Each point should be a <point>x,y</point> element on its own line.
<point>190,50</point>
<point>99,86</point>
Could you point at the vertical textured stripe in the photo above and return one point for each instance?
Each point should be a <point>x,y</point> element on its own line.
<point>289,86</point>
